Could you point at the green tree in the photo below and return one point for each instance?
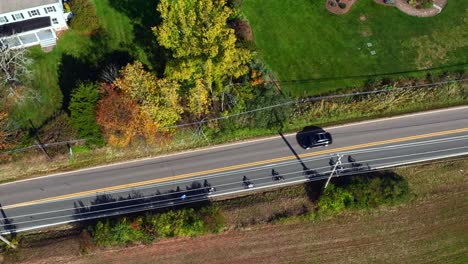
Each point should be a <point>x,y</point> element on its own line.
<point>159,98</point>
<point>84,16</point>
<point>334,200</point>
<point>83,112</point>
<point>203,49</point>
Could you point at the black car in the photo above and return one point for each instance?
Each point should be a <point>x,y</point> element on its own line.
<point>311,139</point>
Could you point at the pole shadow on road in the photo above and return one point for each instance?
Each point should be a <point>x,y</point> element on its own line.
<point>6,223</point>
<point>304,167</point>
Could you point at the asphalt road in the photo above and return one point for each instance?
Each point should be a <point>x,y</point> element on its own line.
<point>180,178</point>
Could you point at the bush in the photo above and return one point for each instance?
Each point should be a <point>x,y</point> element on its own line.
<point>58,128</point>
<point>376,189</point>
<point>342,5</point>
<point>121,232</point>
<point>84,16</point>
<point>334,200</point>
<point>364,191</point>
<point>179,223</point>
<point>83,113</point>
<point>176,223</point>
<point>212,218</point>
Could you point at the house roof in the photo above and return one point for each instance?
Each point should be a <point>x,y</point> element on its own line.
<point>24,26</point>
<point>7,6</point>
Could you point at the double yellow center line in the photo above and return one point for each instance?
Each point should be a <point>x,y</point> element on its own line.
<point>235,167</point>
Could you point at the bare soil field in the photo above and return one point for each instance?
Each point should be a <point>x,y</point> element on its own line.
<point>431,228</point>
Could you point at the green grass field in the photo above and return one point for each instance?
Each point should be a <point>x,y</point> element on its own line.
<point>301,40</point>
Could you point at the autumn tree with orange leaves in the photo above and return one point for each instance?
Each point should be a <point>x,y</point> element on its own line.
<point>122,119</point>
<point>138,105</point>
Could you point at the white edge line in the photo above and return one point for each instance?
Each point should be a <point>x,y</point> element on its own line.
<point>234,144</point>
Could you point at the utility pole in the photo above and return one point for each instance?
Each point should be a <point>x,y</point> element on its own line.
<point>5,221</point>
<point>7,242</point>
<point>338,162</point>
<point>70,150</point>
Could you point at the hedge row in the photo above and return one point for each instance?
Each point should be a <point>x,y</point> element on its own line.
<point>180,223</point>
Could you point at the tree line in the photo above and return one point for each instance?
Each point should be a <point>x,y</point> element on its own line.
<point>208,72</point>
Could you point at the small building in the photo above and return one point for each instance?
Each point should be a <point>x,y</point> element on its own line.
<point>25,23</point>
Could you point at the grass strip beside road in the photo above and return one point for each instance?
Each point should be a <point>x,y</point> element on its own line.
<point>229,168</point>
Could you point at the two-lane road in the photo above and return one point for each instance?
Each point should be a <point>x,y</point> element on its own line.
<point>67,197</point>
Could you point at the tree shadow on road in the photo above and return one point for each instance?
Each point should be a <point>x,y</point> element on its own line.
<point>194,195</point>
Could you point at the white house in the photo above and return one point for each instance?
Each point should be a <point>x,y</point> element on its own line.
<point>25,23</point>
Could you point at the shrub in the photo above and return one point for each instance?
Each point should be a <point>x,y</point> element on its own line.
<point>83,112</point>
<point>376,189</point>
<point>84,16</point>
<point>176,223</point>
<point>184,222</point>
<point>120,232</point>
<point>342,5</point>
<point>58,128</point>
<point>364,191</point>
<point>334,200</point>
<point>212,218</point>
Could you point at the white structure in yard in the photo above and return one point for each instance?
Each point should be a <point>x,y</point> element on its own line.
<point>25,23</point>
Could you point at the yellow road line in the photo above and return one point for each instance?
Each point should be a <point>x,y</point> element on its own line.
<point>234,167</point>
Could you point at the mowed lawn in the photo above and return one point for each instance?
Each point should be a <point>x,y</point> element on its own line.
<point>301,41</point>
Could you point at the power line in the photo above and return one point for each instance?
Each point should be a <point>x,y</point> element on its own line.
<point>311,99</point>
<point>331,78</point>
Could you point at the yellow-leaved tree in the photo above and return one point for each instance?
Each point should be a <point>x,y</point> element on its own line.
<point>203,49</point>
<point>158,98</point>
